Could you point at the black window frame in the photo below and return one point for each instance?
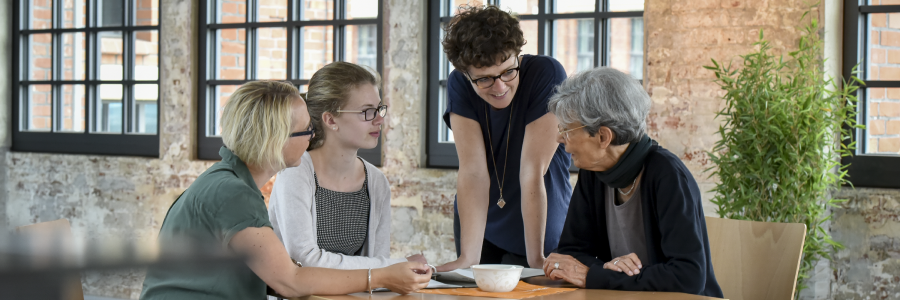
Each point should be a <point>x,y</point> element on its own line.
<point>443,155</point>
<point>86,142</point>
<point>866,170</point>
<point>208,146</point>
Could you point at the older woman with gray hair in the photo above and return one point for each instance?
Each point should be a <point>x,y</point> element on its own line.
<point>635,220</point>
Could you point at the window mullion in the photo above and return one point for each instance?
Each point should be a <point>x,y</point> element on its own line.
<point>289,35</point>
<point>250,42</point>
<point>542,28</point>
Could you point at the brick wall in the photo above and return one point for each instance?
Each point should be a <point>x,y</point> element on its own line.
<point>883,63</point>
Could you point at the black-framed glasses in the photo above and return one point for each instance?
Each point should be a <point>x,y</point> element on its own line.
<point>369,113</point>
<point>506,76</point>
<point>311,132</point>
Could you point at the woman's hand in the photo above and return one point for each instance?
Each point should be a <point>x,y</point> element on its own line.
<point>459,263</point>
<point>569,269</point>
<point>417,258</point>
<point>402,278</point>
<point>629,264</point>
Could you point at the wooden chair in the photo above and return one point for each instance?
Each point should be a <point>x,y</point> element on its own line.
<point>756,260</point>
<point>48,239</point>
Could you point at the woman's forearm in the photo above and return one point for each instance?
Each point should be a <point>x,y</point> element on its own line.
<point>534,215</point>
<point>472,202</point>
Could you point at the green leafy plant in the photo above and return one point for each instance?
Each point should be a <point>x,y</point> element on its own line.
<point>786,127</point>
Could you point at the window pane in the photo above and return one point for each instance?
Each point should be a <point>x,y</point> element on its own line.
<point>41,14</point>
<point>110,13</point>
<point>231,11</point>
<point>73,13</point>
<point>303,88</point>
<point>71,108</point>
<point>626,45</point>
<point>272,11</point>
<point>73,56</point>
<point>110,55</point>
<point>625,5</point>
<point>883,2</point>
<point>360,45</point>
<point>883,121</point>
<point>146,55</point>
<point>230,48</point>
<point>575,6</point>
<point>883,57</point>
<point>38,108</point>
<point>445,66</point>
<point>317,9</point>
<point>41,57</point>
<point>271,56</point>
<point>223,92</point>
<point>445,135</point>
<point>522,7</point>
<point>108,109</point>
<point>146,12</point>
<point>574,44</point>
<point>456,4</point>
<point>530,29</point>
<point>317,49</point>
<point>362,9</point>
<point>146,97</point>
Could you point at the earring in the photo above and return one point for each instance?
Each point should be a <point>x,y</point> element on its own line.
<point>334,127</point>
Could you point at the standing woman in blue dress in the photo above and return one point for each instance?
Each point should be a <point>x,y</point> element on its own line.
<point>513,185</point>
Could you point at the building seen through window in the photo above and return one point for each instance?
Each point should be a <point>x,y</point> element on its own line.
<point>289,40</point>
<point>89,67</point>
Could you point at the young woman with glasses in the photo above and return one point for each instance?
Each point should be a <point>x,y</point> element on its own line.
<point>265,129</point>
<point>513,185</point>
<point>334,209</point>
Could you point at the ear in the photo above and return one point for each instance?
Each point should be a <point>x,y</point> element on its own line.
<point>328,119</point>
<point>604,137</point>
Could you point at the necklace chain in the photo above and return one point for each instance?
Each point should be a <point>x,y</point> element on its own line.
<point>500,202</point>
<point>629,190</point>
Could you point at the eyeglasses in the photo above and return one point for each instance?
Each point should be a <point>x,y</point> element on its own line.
<point>311,132</point>
<point>565,132</point>
<point>369,113</point>
<point>487,82</point>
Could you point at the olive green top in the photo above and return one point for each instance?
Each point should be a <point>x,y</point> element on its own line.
<point>222,201</point>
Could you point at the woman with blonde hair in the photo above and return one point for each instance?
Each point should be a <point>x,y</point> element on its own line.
<point>265,128</point>
<point>334,210</point>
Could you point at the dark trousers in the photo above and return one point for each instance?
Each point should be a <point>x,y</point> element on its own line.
<point>490,253</point>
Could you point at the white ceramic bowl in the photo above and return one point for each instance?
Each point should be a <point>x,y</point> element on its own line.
<point>497,278</point>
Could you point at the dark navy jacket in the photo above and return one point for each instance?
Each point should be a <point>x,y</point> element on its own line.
<point>674,226</point>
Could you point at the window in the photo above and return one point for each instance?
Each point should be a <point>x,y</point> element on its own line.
<point>871,40</point>
<point>87,77</point>
<point>288,40</point>
<point>572,31</point>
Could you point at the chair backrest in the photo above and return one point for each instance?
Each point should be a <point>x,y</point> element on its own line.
<point>46,238</point>
<point>756,260</point>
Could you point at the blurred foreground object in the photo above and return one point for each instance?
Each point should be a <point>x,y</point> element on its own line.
<point>45,261</point>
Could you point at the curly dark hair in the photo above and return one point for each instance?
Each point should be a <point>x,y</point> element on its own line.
<point>481,36</point>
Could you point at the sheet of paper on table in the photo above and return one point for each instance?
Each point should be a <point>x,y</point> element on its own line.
<point>464,278</point>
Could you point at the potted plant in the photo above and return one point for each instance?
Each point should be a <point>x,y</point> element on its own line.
<point>786,127</point>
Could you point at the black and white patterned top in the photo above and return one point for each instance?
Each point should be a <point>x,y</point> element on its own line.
<point>342,219</point>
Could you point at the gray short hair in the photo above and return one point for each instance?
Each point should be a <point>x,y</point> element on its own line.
<point>603,97</point>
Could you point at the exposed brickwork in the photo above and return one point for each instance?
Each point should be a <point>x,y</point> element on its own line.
<point>869,227</point>
<point>121,196</point>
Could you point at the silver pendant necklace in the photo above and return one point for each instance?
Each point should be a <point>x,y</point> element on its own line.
<point>500,183</point>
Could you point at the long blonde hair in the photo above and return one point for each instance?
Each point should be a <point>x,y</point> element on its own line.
<point>256,122</point>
